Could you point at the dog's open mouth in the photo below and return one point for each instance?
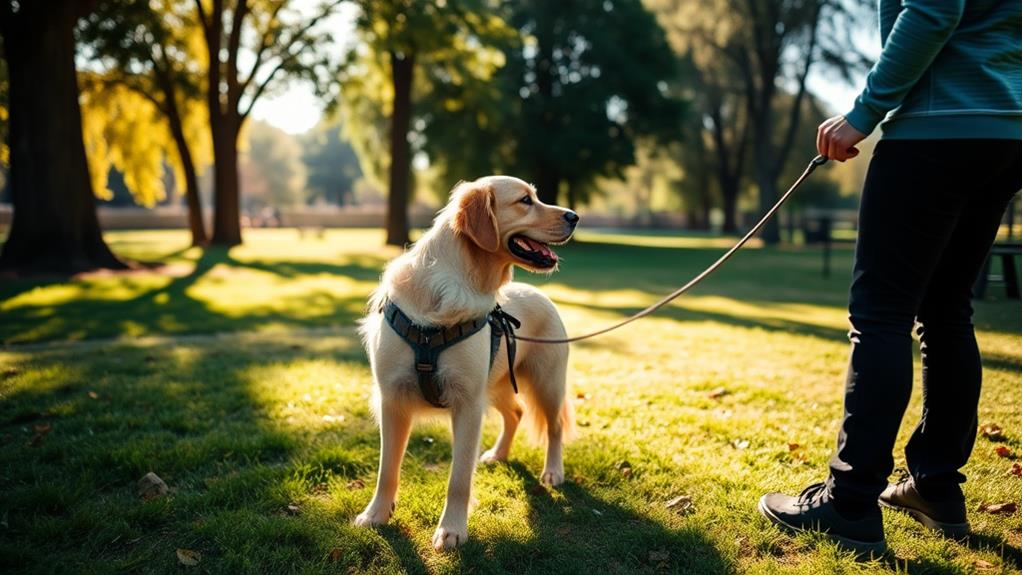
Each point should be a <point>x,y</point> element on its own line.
<point>535,253</point>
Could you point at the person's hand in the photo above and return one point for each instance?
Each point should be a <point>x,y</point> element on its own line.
<point>836,139</point>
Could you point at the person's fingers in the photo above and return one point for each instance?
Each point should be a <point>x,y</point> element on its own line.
<point>821,146</point>
<point>833,149</point>
<point>852,152</point>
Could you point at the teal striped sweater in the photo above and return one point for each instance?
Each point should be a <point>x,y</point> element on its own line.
<point>949,69</point>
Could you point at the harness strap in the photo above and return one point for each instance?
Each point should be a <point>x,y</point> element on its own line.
<point>503,324</point>
<point>428,342</point>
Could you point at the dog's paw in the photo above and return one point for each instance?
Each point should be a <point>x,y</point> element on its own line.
<point>372,517</point>
<point>445,538</point>
<point>552,477</point>
<point>490,456</point>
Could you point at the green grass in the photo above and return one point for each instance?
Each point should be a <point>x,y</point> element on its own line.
<point>239,379</point>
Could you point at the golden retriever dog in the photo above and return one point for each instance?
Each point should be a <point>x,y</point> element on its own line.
<point>457,272</point>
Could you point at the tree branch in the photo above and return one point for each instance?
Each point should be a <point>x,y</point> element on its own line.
<point>264,45</point>
<point>286,56</point>
<point>796,110</point>
<point>233,44</point>
<point>203,19</point>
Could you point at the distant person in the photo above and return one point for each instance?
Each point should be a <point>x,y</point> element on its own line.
<point>949,80</point>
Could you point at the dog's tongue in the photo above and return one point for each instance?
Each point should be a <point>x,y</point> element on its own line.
<point>541,248</point>
<point>534,246</point>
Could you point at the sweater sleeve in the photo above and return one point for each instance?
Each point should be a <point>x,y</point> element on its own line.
<point>918,35</point>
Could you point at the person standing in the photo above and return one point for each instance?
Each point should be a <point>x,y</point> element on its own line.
<point>948,89</point>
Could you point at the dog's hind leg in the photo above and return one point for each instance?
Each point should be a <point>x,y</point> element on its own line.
<point>549,411</point>
<point>395,426</point>
<point>511,412</point>
<point>466,424</point>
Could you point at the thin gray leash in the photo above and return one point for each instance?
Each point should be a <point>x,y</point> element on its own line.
<point>815,163</point>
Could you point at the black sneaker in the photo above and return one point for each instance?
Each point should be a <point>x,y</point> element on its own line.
<point>947,517</point>
<point>813,510</point>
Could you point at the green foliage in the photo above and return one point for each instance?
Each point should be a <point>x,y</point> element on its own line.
<point>144,65</point>
<point>457,47</point>
<point>331,164</point>
<point>591,77</point>
<point>272,171</point>
<point>243,424</point>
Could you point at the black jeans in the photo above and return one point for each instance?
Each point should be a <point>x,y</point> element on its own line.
<point>929,213</point>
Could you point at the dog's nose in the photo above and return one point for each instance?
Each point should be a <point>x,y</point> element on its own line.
<point>571,218</point>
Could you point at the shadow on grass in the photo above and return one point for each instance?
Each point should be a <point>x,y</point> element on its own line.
<point>195,414</point>
<point>1012,557</point>
<point>90,421</point>
<point>171,309</point>
<point>574,532</point>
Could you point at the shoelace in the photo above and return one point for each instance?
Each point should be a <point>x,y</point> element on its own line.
<point>810,493</point>
<point>903,475</point>
<point>506,324</point>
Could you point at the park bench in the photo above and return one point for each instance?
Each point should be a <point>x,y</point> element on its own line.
<point>1008,277</point>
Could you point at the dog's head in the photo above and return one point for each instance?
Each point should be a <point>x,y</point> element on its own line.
<point>501,215</point>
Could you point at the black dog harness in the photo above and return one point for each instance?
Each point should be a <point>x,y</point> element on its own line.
<point>429,341</point>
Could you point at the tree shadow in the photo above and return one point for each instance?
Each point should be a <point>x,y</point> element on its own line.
<point>171,309</point>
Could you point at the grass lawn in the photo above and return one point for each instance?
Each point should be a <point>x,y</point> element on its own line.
<point>238,378</point>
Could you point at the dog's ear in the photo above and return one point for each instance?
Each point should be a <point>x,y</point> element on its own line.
<point>475,216</point>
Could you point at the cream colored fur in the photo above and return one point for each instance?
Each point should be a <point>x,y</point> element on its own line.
<point>458,271</point>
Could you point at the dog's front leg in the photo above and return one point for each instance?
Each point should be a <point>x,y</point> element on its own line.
<point>395,426</point>
<point>466,424</point>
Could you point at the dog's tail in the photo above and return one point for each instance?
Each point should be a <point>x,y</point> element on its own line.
<point>542,413</point>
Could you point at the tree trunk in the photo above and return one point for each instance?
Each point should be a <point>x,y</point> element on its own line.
<point>402,67</point>
<point>226,195</point>
<point>195,220</point>
<point>54,227</point>
<point>548,184</point>
<point>729,193</point>
<point>766,170</point>
<point>771,232</point>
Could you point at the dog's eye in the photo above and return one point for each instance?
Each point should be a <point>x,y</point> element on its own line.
<point>527,200</point>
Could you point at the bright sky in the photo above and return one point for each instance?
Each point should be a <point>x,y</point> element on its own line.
<point>296,110</point>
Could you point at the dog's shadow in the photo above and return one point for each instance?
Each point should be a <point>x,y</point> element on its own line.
<point>570,530</point>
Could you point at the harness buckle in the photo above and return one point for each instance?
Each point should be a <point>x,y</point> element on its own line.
<point>424,367</point>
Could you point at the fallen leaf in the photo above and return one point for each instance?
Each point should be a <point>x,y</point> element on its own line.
<point>625,468</point>
<point>93,395</point>
<point>188,558</point>
<point>41,431</point>
<point>1016,470</point>
<point>582,396</point>
<point>991,431</point>
<point>718,393</point>
<point>981,564</point>
<point>1002,451</point>
<point>740,443</point>
<point>681,504</point>
<point>335,554</point>
<point>356,484</point>
<point>794,447</point>
<point>995,508</point>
